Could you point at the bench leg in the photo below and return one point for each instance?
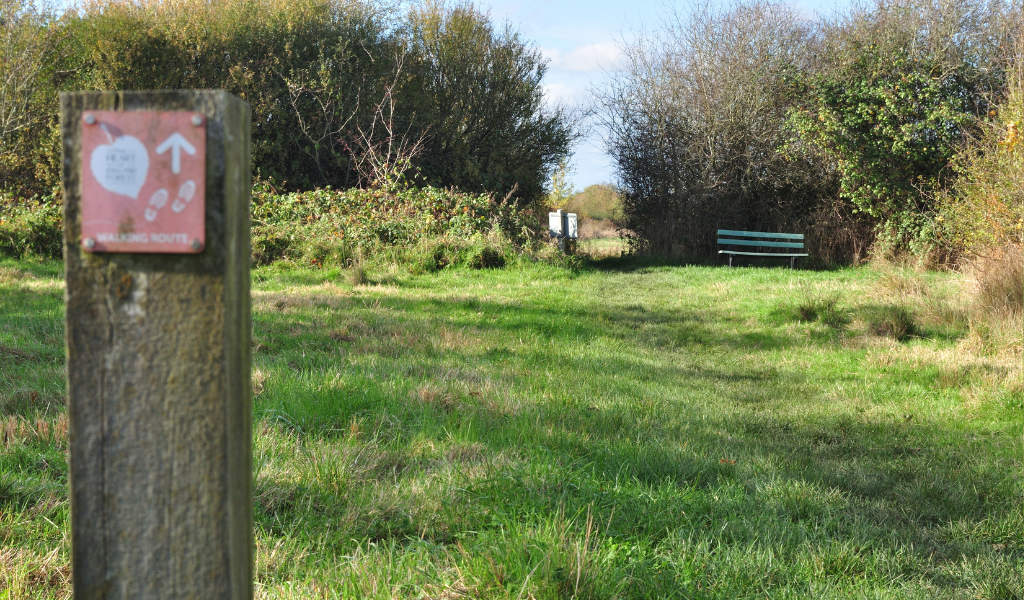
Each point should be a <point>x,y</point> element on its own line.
<point>792,262</point>
<point>730,260</point>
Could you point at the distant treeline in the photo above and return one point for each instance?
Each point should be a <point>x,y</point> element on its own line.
<point>859,129</point>
<point>344,93</point>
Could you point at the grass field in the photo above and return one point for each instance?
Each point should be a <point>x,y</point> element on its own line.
<point>618,431</point>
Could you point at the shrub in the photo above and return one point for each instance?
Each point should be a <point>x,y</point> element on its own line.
<point>31,228</point>
<point>896,92</point>
<point>36,59</point>
<point>431,228</point>
<point>598,202</point>
<point>754,118</point>
<point>279,55</point>
<point>343,92</point>
<point>480,104</point>
<point>983,215</point>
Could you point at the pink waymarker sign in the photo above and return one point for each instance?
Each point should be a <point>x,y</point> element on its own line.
<point>143,182</point>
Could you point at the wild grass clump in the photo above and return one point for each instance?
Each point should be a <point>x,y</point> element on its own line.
<point>999,280</point>
<point>812,307</point>
<point>895,321</point>
<point>824,308</point>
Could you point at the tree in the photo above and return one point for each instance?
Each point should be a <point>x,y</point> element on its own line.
<point>482,105</point>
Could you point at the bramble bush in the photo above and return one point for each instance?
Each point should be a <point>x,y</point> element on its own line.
<point>429,227</point>
<point>426,228</point>
<point>31,228</point>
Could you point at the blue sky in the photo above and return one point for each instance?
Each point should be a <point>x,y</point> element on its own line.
<point>579,38</point>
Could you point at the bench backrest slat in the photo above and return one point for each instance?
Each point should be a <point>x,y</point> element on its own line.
<point>782,236</point>
<point>725,242</point>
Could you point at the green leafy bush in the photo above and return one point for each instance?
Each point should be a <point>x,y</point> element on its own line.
<point>894,97</point>
<point>426,228</point>
<point>431,227</point>
<point>31,228</point>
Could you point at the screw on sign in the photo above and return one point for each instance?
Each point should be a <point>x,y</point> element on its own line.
<point>144,182</point>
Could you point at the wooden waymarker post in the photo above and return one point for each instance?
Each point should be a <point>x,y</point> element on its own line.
<point>156,249</point>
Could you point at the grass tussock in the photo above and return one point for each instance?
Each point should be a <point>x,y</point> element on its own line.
<point>16,430</point>
<point>25,574</point>
<point>824,308</point>
<point>995,305</point>
<point>895,321</point>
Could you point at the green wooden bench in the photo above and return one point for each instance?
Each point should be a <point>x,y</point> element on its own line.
<point>785,242</point>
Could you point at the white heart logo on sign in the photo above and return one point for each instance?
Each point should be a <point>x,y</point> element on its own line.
<point>120,166</point>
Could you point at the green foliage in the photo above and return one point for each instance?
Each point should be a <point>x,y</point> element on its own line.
<point>31,228</point>
<point>898,91</point>
<point>278,55</point>
<point>892,124</point>
<point>328,226</point>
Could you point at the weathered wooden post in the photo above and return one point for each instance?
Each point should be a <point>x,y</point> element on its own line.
<point>156,249</point>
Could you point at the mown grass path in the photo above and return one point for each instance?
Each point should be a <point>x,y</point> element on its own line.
<point>617,432</point>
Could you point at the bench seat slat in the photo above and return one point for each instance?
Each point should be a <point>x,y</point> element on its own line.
<point>783,236</point>
<point>769,254</point>
<point>723,242</point>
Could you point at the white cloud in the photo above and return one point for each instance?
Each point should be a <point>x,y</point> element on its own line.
<point>562,93</point>
<point>586,58</point>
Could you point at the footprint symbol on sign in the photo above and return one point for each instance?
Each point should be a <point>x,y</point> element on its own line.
<point>156,202</point>
<point>185,194</point>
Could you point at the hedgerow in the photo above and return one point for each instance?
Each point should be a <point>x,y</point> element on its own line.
<point>426,229</point>
<point>325,226</point>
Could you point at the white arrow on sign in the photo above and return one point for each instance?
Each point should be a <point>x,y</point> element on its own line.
<point>176,143</point>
